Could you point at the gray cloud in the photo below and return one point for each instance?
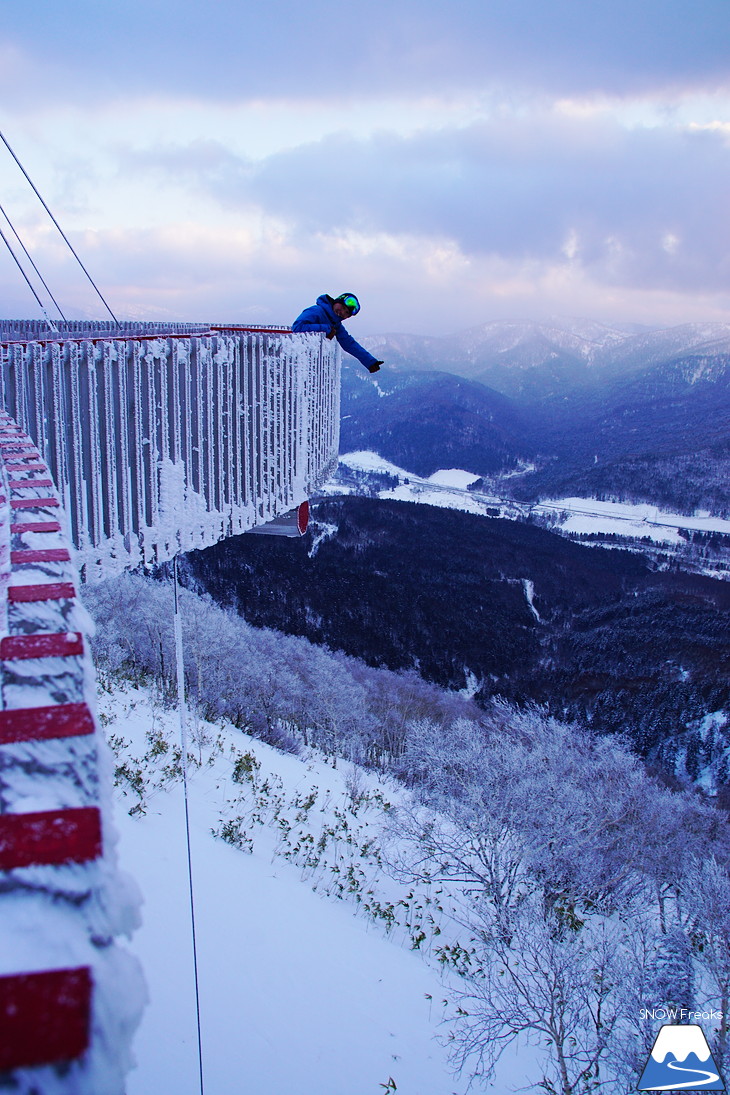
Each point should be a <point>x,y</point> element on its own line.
<point>636,207</point>
<point>199,273</point>
<point>227,49</point>
<point>516,215</point>
<point>644,206</point>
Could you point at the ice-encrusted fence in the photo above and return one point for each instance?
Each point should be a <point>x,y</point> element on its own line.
<point>163,440</point>
<point>133,445</point>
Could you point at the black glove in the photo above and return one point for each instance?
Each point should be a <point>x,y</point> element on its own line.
<point>332,331</point>
<point>375,367</point>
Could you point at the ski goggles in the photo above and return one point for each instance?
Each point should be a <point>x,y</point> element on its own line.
<point>350,302</point>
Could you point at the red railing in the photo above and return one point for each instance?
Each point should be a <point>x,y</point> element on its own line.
<point>54,858</point>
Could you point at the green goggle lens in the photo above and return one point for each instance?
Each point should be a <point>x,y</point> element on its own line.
<point>351,303</point>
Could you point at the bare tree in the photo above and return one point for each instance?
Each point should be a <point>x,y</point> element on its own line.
<point>551,985</point>
<point>706,898</point>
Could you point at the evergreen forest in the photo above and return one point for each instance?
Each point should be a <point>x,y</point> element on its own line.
<point>501,609</point>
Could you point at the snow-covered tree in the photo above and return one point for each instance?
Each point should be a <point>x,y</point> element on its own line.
<point>706,899</point>
<point>552,985</point>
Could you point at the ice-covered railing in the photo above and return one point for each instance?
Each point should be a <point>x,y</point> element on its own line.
<point>70,997</point>
<point>163,440</point>
<point>27,330</point>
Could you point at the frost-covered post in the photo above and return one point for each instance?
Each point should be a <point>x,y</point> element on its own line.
<point>183,714</point>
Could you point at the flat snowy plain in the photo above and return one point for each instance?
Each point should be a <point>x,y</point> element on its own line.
<point>448,488</point>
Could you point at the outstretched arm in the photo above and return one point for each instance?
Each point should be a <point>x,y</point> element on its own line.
<point>348,343</point>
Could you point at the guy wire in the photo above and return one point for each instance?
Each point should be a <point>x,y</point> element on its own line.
<point>184,741</point>
<point>49,321</point>
<point>30,260</point>
<point>58,226</point>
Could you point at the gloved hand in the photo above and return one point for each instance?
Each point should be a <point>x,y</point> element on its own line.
<point>332,331</point>
<point>375,367</point>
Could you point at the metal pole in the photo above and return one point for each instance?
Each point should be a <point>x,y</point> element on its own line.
<point>182,709</point>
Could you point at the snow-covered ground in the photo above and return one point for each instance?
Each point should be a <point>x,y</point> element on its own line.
<point>590,515</point>
<point>448,488</point>
<point>300,993</point>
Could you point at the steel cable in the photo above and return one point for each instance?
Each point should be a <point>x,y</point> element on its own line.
<point>30,260</point>
<point>61,231</point>
<point>50,322</point>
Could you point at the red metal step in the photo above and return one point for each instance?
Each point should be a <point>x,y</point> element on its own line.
<point>61,644</point>
<point>36,526</point>
<point>64,720</point>
<point>50,591</point>
<point>45,1017</point>
<point>50,838</point>
<point>40,555</point>
<point>25,484</point>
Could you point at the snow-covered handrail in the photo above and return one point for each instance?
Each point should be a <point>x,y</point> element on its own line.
<point>69,996</point>
<point>163,440</point>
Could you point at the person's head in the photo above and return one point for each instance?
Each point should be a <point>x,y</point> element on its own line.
<point>346,305</point>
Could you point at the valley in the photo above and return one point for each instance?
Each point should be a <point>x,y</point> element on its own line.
<point>534,513</point>
<point>576,409</point>
<point>698,543</point>
<point>503,609</point>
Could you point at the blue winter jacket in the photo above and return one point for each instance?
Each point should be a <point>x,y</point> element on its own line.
<point>322,317</point>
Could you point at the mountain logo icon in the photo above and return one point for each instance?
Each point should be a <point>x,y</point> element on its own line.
<point>680,1060</point>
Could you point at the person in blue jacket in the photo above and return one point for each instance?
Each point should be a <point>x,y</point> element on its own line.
<point>327,315</point>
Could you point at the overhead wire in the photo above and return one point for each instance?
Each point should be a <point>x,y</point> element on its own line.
<point>61,231</point>
<point>30,260</point>
<point>18,263</point>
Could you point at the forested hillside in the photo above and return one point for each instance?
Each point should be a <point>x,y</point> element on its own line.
<point>662,434</point>
<point>423,421</point>
<point>506,609</point>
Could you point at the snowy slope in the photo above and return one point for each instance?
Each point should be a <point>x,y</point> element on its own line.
<point>300,993</point>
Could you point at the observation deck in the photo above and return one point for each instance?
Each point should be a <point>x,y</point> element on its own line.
<point>161,438</point>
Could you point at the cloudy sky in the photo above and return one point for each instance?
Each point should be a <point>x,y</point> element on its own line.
<point>450,163</point>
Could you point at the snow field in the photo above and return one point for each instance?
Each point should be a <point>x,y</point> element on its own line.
<point>448,488</point>
<point>301,991</point>
<point>591,515</point>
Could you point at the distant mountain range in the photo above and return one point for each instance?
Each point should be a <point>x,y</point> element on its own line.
<point>530,361</point>
<point>423,421</point>
<point>593,410</point>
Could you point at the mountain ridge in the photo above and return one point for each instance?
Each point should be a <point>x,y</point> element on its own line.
<point>633,416</point>
<point>499,353</point>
